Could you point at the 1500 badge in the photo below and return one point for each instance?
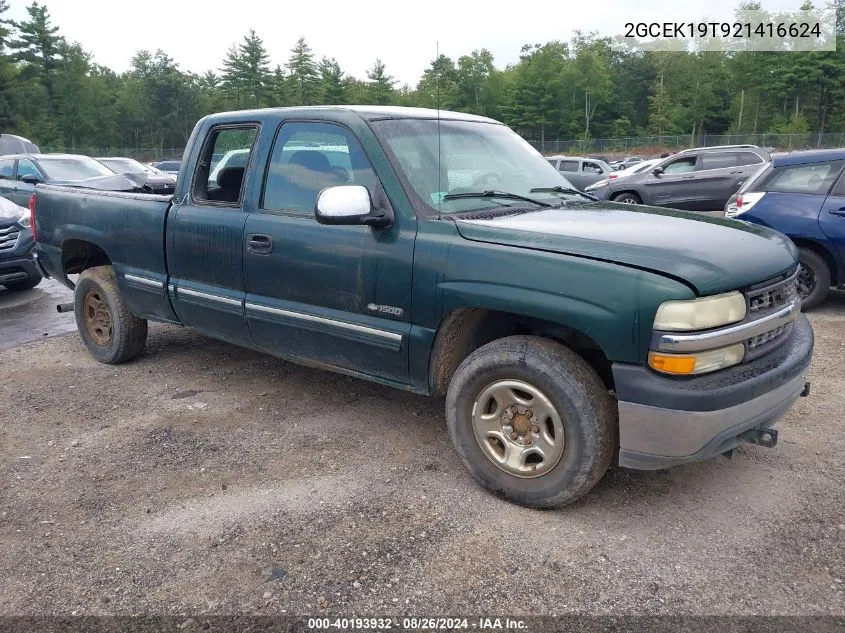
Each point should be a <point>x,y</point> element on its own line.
<point>391,310</point>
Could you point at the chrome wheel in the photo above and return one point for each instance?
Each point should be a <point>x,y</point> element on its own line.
<point>806,281</point>
<point>518,428</point>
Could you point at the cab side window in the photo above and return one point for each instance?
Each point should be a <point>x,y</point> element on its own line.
<point>221,181</point>
<point>7,169</point>
<point>308,157</point>
<point>27,168</point>
<point>591,168</point>
<point>568,165</point>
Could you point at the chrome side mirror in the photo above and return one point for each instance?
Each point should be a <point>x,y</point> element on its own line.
<point>349,205</point>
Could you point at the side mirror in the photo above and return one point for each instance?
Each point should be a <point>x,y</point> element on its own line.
<point>657,171</point>
<point>30,179</point>
<point>349,205</point>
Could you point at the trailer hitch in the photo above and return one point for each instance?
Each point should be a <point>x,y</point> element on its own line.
<point>761,437</point>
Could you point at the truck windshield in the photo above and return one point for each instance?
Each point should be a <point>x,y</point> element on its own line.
<point>474,157</point>
<point>73,168</point>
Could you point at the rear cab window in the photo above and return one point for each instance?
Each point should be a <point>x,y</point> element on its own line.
<point>814,178</point>
<point>222,184</point>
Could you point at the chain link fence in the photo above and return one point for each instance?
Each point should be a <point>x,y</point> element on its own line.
<point>656,145</point>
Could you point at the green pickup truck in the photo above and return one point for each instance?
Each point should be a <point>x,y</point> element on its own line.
<point>439,253</point>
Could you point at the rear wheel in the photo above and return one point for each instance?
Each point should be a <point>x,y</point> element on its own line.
<point>813,278</point>
<point>627,198</point>
<point>109,330</point>
<point>531,421</point>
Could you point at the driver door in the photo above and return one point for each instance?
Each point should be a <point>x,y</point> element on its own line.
<point>21,191</point>
<point>335,295</point>
<point>675,186</point>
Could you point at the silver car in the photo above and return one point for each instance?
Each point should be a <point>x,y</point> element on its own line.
<point>581,172</point>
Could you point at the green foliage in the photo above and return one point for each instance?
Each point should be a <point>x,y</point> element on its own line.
<point>52,92</point>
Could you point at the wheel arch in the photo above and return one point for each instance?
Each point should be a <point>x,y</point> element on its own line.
<point>823,252</point>
<point>79,255</point>
<point>464,330</point>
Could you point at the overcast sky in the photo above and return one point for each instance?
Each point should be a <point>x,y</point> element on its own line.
<point>197,33</point>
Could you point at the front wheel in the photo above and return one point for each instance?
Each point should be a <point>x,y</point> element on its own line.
<point>109,330</point>
<point>531,421</point>
<point>627,198</point>
<point>813,278</point>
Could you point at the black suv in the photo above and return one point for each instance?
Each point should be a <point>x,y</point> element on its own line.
<point>700,179</point>
<point>17,268</point>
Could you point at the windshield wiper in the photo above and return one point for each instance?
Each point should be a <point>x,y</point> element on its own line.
<point>561,189</point>
<point>495,194</point>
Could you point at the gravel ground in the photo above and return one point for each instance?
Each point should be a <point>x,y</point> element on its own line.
<point>204,478</point>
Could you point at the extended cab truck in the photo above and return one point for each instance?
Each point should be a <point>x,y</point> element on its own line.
<point>445,256</point>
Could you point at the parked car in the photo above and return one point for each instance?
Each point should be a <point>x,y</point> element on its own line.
<point>13,144</point>
<point>580,172</point>
<point>564,334</point>
<point>17,268</point>
<point>635,168</point>
<point>143,175</point>
<point>20,173</point>
<point>802,195</point>
<point>170,167</point>
<point>619,165</point>
<point>700,179</point>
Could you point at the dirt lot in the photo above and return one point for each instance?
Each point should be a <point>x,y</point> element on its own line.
<point>204,478</point>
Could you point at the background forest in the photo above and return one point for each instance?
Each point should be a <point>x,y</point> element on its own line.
<point>53,93</point>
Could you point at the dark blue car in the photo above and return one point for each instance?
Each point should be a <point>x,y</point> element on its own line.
<point>802,195</point>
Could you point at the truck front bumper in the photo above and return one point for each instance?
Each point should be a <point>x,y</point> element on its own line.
<point>666,421</point>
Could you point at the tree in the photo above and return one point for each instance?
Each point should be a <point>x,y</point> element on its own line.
<point>380,88</point>
<point>332,87</point>
<point>304,82</point>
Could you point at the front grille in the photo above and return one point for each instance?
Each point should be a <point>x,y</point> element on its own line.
<point>763,300</point>
<point>762,339</point>
<point>773,297</point>
<point>9,238</point>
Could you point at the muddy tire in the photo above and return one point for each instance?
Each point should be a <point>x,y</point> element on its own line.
<point>109,330</point>
<point>28,284</point>
<point>532,421</point>
<point>813,279</point>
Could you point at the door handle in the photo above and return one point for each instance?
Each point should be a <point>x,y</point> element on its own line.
<point>738,171</point>
<point>259,244</point>
<point>839,211</point>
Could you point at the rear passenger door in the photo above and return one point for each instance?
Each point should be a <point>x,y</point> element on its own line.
<point>719,176</point>
<point>335,295</point>
<point>205,240</point>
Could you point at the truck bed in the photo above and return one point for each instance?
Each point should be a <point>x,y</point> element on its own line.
<point>75,224</point>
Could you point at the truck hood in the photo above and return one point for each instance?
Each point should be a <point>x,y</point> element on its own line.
<point>710,254</point>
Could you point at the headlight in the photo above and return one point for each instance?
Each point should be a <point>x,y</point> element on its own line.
<point>697,363</point>
<point>24,220</point>
<point>597,185</point>
<point>700,314</point>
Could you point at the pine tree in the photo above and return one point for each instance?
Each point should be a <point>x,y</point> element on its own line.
<point>333,90</point>
<point>303,79</point>
<point>255,66</point>
<point>380,88</point>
